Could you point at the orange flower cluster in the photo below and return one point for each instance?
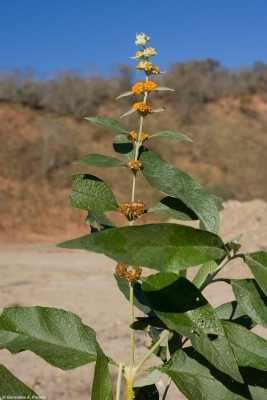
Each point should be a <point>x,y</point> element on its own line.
<point>141,87</point>
<point>132,210</point>
<point>138,88</point>
<point>131,275</point>
<point>135,165</point>
<point>150,86</point>
<point>133,136</point>
<point>142,108</point>
<point>148,67</point>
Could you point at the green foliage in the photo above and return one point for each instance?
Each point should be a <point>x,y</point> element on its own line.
<point>10,386</point>
<point>170,136</point>
<point>109,123</point>
<point>92,194</point>
<point>226,360</point>
<point>173,182</point>
<point>190,315</point>
<point>164,247</point>
<point>251,298</point>
<point>197,379</point>
<point>58,336</point>
<point>97,160</point>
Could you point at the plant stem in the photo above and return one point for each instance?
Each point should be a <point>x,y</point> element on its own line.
<point>166,389</point>
<point>132,321</point>
<point>217,270</point>
<point>121,365</point>
<point>156,345</point>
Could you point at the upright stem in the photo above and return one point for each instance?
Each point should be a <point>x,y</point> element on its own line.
<point>132,321</point>
<point>121,365</point>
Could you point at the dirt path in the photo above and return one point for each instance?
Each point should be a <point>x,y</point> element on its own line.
<point>82,282</point>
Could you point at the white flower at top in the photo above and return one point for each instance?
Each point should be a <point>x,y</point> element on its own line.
<point>141,39</point>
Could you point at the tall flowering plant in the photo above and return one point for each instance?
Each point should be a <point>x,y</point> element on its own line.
<point>207,353</point>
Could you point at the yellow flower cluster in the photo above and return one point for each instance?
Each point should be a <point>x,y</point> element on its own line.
<point>150,86</point>
<point>138,88</point>
<point>148,67</point>
<point>141,87</point>
<point>131,275</point>
<point>132,210</point>
<point>135,165</point>
<point>133,136</point>
<point>142,108</point>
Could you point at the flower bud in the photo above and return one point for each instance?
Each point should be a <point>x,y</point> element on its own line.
<point>141,39</point>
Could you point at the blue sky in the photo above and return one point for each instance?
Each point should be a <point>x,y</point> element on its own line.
<point>81,34</point>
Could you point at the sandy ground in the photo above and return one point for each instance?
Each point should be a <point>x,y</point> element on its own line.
<point>82,282</point>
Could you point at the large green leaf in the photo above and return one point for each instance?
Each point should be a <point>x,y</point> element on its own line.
<point>149,392</point>
<point>250,349</point>
<point>12,388</point>
<point>164,247</point>
<point>110,124</point>
<point>98,160</point>
<point>123,147</point>
<point>173,208</point>
<point>102,387</point>
<point>98,221</point>
<point>197,379</point>
<point>58,336</point>
<point>175,183</point>
<point>169,135</point>
<point>251,298</point>
<point>257,262</point>
<point>233,312</point>
<point>182,307</point>
<point>139,299</point>
<point>92,194</point>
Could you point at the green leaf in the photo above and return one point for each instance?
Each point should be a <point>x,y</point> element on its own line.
<point>97,160</point>
<point>233,312</point>
<point>92,194</point>
<point>164,247</point>
<point>146,393</point>
<point>257,263</point>
<point>11,387</point>
<point>182,307</point>
<point>124,94</point>
<point>98,221</point>
<point>169,135</point>
<point>173,208</point>
<point>58,336</point>
<point>251,298</point>
<point>123,147</point>
<point>173,182</point>
<point>197,379</point>
<point>174,342</point>
<point>102,387</point>
<point>250,349</point>
<point>140,301</point>
<point>152,378</point>
<point>110,124</point>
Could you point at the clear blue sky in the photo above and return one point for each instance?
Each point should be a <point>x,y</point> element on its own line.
<point>72,34</point>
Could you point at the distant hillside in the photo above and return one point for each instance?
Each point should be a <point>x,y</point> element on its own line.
<point>38,147</point>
